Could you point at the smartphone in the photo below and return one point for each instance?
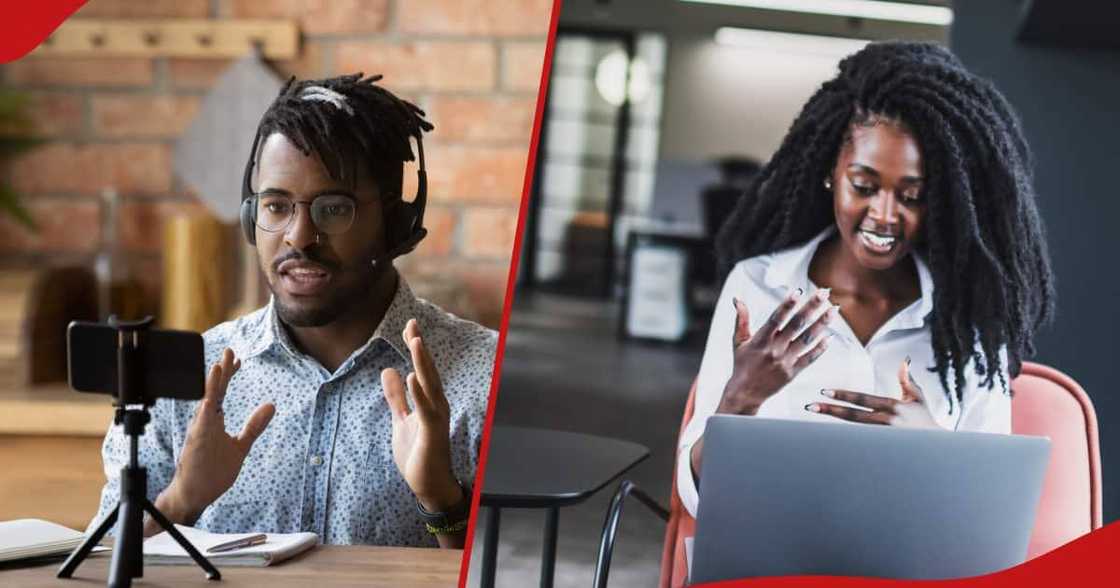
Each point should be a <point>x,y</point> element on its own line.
<point>172,361</point>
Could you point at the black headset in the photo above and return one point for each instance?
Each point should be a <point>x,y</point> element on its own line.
<point>404,228</point>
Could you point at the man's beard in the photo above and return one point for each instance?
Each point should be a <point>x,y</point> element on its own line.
<point>329,310</point>
<point>338,301</point>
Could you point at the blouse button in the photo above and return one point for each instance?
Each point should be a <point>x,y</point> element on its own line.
<point>316,460</point>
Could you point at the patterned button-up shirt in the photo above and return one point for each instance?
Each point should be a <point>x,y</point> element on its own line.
<point>325,462</point>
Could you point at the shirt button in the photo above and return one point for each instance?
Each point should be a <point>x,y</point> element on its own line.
<point>316,460</point>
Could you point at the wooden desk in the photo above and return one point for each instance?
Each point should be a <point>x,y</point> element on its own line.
<point>323,567</point>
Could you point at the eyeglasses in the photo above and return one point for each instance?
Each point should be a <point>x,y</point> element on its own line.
<point>331,213</point>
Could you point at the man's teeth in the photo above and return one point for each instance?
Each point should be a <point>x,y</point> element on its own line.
<point>878,240</point>
<point>305,273</point>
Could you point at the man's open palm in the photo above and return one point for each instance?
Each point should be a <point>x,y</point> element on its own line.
<point>211,458</point>
<point>421,443</point>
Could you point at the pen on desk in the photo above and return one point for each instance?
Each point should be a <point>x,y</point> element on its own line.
<point>239,543</point>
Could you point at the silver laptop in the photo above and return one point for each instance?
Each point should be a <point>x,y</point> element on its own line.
<point>783,497</point>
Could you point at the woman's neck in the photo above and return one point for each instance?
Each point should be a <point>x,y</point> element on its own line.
<point>833,266</point>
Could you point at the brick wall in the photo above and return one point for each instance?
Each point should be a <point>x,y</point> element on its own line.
<point>473,65</point>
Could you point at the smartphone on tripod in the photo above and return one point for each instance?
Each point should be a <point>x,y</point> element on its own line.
<point>136,365</point>
<point>172,362</point>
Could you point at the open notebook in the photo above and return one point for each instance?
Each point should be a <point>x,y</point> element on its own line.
<point>28,538</point>
<point>162,549</point>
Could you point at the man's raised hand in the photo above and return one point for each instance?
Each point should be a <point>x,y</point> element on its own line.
<point>211,458</point>
<point>421,435</point>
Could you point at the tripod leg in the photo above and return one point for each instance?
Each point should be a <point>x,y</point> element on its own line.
<point>128,551</point>
<point>79,555</point>
<point>212,572</point>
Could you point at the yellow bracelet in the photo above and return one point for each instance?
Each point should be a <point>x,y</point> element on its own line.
<point>446,529</point>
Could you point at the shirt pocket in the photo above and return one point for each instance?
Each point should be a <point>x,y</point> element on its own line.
<point>379,452</point>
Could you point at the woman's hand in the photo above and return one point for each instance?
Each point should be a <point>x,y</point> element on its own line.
<point>767,361</point>
<point>910,411</point>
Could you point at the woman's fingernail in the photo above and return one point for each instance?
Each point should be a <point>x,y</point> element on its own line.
<point>827,392</point>
<point>812,407</point>
<point>824,293</point>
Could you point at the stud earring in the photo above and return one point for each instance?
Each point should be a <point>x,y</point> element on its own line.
<point>827,183</point>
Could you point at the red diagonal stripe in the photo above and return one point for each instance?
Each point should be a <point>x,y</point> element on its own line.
<point>23,25</point>
<point>1086,561</point>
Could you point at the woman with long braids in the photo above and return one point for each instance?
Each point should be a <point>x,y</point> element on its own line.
<point>888,264</point>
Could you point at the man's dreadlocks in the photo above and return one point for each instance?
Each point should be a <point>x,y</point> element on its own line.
<point>348,121</point>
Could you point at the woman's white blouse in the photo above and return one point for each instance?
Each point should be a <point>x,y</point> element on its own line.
<point>761,283</point>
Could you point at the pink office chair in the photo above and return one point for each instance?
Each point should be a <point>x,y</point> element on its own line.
<point>1046,403</point>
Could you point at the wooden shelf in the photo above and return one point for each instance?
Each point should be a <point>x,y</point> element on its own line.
<point>54,409</point>
<point>199,38</point>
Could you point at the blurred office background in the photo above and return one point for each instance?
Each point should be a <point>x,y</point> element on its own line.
<point>656,111</point>
<point>123,225</point>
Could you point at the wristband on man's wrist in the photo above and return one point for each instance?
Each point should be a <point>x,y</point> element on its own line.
<point>447,530</point>
<point>448,522</point>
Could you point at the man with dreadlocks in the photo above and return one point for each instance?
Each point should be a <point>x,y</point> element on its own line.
<point>888,264</point>
<point>326,434</point>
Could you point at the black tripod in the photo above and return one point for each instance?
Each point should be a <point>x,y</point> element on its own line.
<point>132,412</point>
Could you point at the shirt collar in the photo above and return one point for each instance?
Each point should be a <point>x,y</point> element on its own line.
<point>259,333</point>
<point>789,268</point>
<point>265,331</point>
<point>391,328</point>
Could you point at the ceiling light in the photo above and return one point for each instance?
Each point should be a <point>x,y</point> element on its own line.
<point>611,77</point>
<point>788,42</point>
<point>870,9</point>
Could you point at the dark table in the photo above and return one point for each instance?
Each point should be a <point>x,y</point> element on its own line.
<point>542,468</point>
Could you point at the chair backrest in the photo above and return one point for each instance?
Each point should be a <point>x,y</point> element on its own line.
<point>1046,402</point>
<point>674,565</point>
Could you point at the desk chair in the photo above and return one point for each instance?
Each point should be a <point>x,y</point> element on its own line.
<point>1045,402</point>
<point>1048,403</point>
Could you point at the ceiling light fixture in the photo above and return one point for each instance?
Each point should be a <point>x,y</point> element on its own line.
<point>788,42</point>
<point>869,9</point>
<point>611,78</point>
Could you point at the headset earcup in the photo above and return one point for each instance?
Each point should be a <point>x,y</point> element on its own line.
<point>248,220</point>
<point>405,223</point>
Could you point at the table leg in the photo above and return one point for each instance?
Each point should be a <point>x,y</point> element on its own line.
<point>490,547</point>
<point>548,554</point>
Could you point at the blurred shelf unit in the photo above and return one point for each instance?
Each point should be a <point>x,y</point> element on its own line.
<point>36,305</point>
<point>53,410</point>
